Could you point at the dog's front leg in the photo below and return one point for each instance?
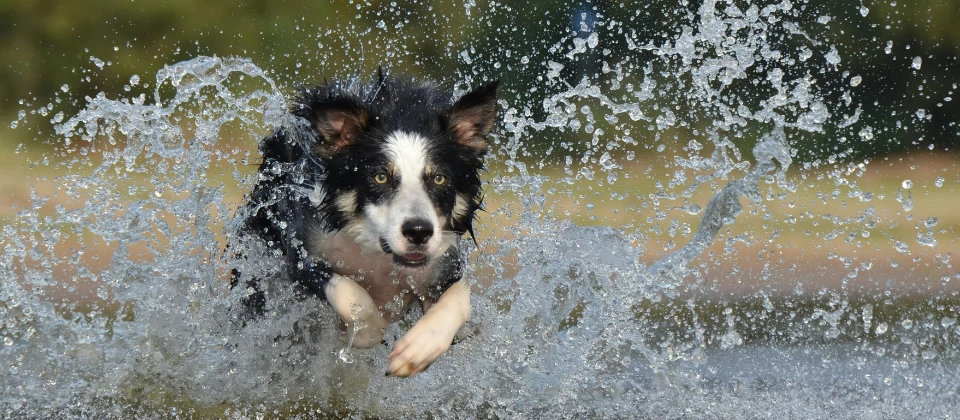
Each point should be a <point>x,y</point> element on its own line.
<point>432,335</point>
<point>357,309</point>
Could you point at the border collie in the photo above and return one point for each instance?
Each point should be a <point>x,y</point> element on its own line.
<point>367,195</point>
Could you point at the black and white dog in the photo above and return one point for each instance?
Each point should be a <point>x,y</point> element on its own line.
<point>368,200</point>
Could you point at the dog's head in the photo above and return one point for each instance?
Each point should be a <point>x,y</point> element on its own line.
<point>402,163</point>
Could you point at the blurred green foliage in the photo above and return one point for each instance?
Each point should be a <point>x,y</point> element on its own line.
<point>48,44</point>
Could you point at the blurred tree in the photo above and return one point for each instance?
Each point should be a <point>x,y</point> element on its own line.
<point>97,46</point>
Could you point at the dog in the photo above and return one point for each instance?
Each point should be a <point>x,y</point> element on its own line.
<point>368,195</point>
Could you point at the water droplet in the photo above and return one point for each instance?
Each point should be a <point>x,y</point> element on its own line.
<point>917,62</point>
<point>833,57</point>
<point>938,182</point>
<point>97,62</point>
<point>7,341</point>
<point>593,40</point>
<point>881,328</point>
<point>134,80</point>
<point>855,81</point>
<point>947,321</point>
<point>907,324</point>
<point>902,247</point>
<point>666,120</point>
<point>906,201</point>
<point>691,208</point>
<point>65,88</point>
<point>345,355</point>
<point>926,239</point>
<point>864,11</point>
<point>907,184</point>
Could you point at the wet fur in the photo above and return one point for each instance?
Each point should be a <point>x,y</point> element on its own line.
<point>367,195</point>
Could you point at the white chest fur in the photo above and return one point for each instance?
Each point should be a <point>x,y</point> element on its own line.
<point>391,287</point>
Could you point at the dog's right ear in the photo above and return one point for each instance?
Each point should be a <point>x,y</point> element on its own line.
<point>339,123</point>
<point>473,116</point>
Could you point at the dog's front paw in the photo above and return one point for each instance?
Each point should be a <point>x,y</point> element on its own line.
<point>422,345</point>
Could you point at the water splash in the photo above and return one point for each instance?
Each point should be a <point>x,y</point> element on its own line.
<point>114,302</point>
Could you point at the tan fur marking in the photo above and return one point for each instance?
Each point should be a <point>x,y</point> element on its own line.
<point>460,206</point>
<point>347,202</point>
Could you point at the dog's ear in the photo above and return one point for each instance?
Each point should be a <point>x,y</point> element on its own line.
<point>473,116</point>
<point>339,124</point>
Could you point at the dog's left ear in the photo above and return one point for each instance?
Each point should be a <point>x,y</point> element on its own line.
<point>473,116</point>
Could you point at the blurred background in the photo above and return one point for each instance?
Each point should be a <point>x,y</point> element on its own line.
<point>96,47</point>
<point>120,179</point>
<point>900,56</point>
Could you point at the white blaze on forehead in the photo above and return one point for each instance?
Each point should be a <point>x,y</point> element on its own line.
<point>408,153</point>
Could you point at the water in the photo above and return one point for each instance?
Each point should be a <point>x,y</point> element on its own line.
<point>114,299</point>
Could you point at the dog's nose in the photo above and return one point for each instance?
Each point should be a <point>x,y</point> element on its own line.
<point>417,231</point>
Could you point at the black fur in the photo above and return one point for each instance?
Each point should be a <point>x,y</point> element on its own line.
<point>280,213</point>
<point>336,140</point>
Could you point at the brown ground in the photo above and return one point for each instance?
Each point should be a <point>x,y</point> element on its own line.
<point>800,257</point>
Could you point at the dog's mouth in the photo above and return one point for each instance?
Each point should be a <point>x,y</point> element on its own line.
<point>407,259</point>
<point>411,259</point>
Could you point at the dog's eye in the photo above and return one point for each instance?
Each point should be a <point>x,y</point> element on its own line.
<point>439,179</point>
<point>380,178</point>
